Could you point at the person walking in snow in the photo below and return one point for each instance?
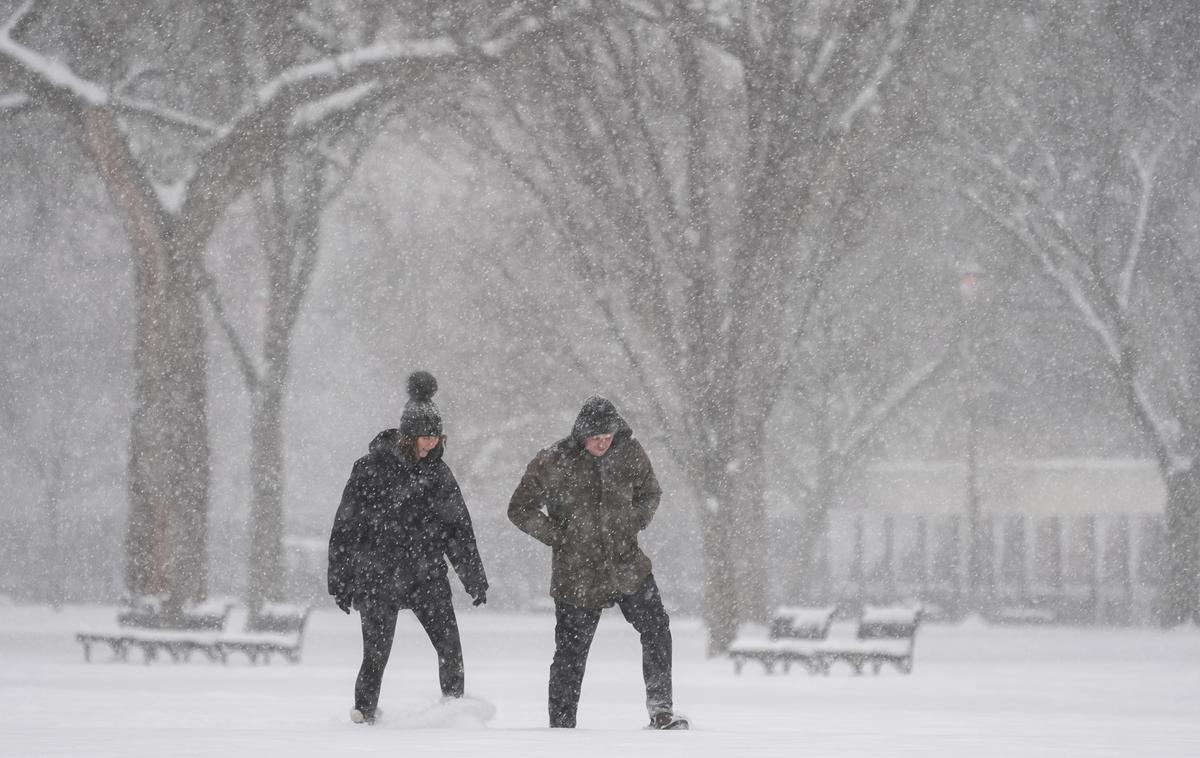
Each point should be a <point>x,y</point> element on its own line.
<point>587,496</point>
<point>401,515</point>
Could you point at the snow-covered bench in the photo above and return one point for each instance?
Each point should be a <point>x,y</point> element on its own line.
<point>885,636</point>
<point>277,629</point>
<point>151,612</point>
<point>147,626</point>
<point>794,636</point>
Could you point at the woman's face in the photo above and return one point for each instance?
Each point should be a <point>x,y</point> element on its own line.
<point>426,444</point>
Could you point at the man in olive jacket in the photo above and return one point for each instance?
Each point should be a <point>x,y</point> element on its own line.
<point>587,497</point>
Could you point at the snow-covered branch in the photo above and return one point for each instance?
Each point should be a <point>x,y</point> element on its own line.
<point>1102,305</point>
<point>901,17</point>
<point>1068,281</point>
<point>1031,211</point>
<point>43,73</point>
<point>313,113</point>
<point>1145,169</point>
<point>355,67</point>
<point>822,58</point>
<point>722,31</point>
<point>865,425</point>
<point>1165,439</point>
<point>1074,289</point>
<point>350,64</point>
<point>19,15</point>
<point>14,101</point>
<point>48,76</point>
<point>131,106</point>
<point>250,372</point>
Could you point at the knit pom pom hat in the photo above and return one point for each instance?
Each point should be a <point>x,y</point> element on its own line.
<point>421,417</point>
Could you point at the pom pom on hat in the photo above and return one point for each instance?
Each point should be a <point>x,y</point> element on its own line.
<point>421,386</point>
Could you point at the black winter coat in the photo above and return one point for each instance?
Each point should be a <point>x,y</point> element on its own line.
<point>399,519</point>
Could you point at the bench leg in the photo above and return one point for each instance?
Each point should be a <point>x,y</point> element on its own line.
<point>821,664</point>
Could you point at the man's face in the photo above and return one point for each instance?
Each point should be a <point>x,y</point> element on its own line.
<point>598,444</point>
<point>426,444</point>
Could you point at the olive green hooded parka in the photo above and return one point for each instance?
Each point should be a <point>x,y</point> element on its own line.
<point>589,509</point>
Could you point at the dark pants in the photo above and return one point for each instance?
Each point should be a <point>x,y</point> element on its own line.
<point>573,632</point>
<point>432,606</point>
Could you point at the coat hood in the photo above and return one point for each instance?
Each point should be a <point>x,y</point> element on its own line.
<point>599,416</point>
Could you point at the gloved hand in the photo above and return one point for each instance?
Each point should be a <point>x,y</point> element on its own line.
<point>480,597</point>
<point>344,601</point>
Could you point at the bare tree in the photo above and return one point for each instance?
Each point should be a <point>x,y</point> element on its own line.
<point>680,150</point>
<point>177,138</point>
<point>859,375</point>
<point>1088,173</point>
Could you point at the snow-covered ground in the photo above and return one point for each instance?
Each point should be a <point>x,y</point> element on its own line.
<point>977,691</point>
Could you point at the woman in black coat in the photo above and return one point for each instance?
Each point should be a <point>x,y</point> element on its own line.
<point>402,514</point>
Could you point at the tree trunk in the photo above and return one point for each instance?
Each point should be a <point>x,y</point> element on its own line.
<point>720,606</point>
<point>733,519</point>
<point>266,475</point>
<point>1179,593</point>
<point>1180,598</point>
<point>168,447</point>
<point>705,467</point>
<point>810,574</point>
<point>52,560</point>
<point>747,523</point>
<point>168,451</point>
<point>290,251</point>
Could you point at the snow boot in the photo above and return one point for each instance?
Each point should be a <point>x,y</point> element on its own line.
<point>667,720</point>
<point>358,717</point>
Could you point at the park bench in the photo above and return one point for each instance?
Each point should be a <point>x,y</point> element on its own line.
<point>794,636</point>
<point>149,626</point>
<point>276,629</point>
<point>885,636</point>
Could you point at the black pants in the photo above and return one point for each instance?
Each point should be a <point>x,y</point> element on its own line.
<point>433,608</point>
<point>573,632</point>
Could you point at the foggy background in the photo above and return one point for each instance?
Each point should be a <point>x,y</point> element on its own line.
<point>950,267</point>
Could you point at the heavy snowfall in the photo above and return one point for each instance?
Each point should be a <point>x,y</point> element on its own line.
<point>900,299</point>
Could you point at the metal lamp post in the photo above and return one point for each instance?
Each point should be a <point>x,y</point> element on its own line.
<point>970,279</point>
